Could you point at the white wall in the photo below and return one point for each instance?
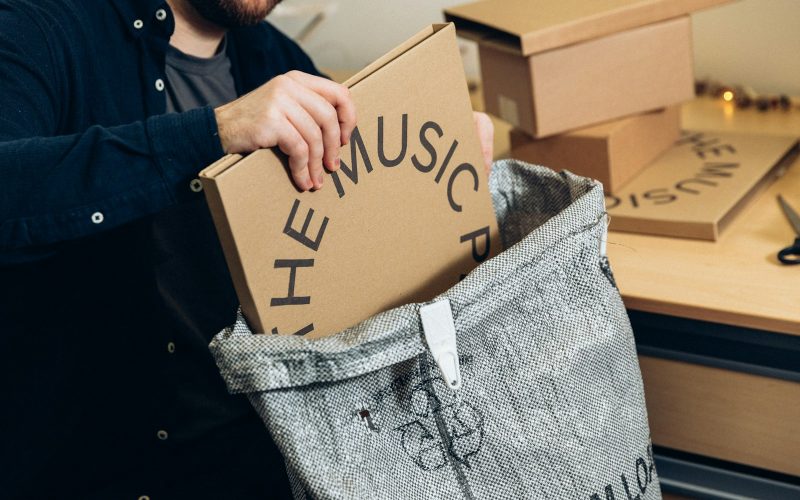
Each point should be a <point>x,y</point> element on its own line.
<point>359,31</point>
<point>749,42</point>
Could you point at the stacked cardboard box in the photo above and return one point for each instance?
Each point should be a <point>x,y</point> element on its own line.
<point>591,87</point>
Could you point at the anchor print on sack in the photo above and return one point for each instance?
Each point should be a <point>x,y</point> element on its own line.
<point>444,427</point>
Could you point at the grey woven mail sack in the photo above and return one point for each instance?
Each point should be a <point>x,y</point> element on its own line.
<point>550,403</point>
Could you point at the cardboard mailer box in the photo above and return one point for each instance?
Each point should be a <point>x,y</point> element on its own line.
<point>549,66</point>
<point>612,152</point>
<point>407,215</point>
<point>698,186</point>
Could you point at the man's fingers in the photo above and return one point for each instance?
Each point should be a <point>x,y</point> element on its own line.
<point>294,146</point>
<point>312,135</point>
<point>326,117</point>
<point>336,94</point>
<point>309,118</point>
<point>347,118</point>
<point>485,129</point>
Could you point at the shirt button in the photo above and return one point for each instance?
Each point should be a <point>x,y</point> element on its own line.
<point>162,435</point>
<point>171,347</point>
<point>196,185</point>
<point>97,217</point>
<point>161,14</point>
<point>138,24</point>
<point>159,84</point>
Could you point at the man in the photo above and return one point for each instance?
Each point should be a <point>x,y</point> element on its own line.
<point>111,276</point>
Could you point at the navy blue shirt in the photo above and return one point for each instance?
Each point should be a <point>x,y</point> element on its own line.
<point>109,389</point>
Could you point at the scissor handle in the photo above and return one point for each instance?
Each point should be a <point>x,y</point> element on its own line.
<point>790,255</point>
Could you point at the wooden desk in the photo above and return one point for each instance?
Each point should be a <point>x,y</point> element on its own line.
<point>736,280</point>
<point>724,402</point>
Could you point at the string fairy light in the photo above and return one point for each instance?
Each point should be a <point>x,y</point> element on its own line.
<point>744,97</point>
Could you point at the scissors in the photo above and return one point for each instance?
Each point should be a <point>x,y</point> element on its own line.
<point>790,254</point>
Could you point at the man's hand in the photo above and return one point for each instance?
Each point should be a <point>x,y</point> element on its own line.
<point>309,118</point>
<point>485,129</point>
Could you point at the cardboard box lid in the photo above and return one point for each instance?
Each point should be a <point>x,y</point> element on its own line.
<point>395,225</point>
<point>600,131</point>
<point>697,187</point>
<point>531,26</point>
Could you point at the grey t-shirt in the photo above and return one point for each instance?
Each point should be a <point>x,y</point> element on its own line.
<point>193,82</point>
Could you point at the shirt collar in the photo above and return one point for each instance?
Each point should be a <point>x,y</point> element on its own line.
<point>140,15</point>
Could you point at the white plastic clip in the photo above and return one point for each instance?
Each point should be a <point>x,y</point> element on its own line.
<point>440,334</point>
<point>604,236</point>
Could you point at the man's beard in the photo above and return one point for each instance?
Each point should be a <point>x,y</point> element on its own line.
<point>234,13</point>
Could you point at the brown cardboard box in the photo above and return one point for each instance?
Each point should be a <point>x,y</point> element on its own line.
<point>696,188</point>
<point>406,216</point>
<point>549,66</point>
<point>612,152</point>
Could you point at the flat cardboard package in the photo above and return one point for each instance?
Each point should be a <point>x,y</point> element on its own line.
<point>549,66</point>
<point>697,187</point>
<point>612,152</point>
<point>406,216</point>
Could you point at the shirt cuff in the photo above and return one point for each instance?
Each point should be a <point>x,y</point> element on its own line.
<point>182,145</point>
